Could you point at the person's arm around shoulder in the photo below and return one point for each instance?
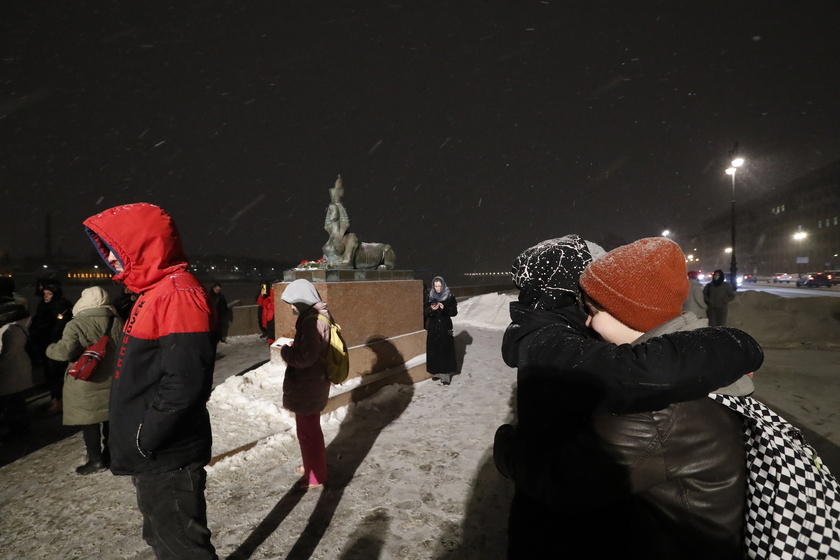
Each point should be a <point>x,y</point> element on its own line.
<point>672,368</point>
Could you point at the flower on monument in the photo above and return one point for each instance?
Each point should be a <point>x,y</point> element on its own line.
<point>304,264</point>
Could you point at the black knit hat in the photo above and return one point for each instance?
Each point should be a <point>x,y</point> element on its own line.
<point>547,274</point>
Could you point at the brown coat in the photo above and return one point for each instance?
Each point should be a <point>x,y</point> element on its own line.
<point>306,386</point>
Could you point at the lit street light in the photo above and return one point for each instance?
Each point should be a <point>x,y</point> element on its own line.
<point>737,162</point>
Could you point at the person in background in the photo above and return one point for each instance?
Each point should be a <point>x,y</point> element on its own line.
<point>695,302</point>
<point>440,307</point>
<point>220,302</point>
<point>306,386</point>
<point>265,313</point>
<point>160,431</point>
<point>717,294</point>
<point>260,295</point>
<point>85,403</point>
<point>54,311</point>
<point>564,373</point>
<point>15,364</point>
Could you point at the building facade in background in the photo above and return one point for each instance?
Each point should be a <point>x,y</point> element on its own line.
<point>794,229</point>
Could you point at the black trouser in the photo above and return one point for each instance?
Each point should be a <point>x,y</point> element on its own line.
<point>54,376</point>
<point>13,409</point>
<point>96,441</point>
<point>175,513</point>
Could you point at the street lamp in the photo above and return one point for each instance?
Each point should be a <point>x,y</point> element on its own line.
<point>737,162</point>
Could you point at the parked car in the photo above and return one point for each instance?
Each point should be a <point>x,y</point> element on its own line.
<point>750,278</point>
<point>834,276</point>
<point>814,280</point>
<point>782,277</point>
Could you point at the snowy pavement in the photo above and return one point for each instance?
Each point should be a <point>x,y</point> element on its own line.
<point>411,477</point>
<point>411,473</point>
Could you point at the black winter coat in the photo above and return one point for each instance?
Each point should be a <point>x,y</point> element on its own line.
<point>47,326</point>
<point>440,344</point>
<point>569,489</point>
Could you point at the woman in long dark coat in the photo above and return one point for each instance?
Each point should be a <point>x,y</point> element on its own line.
<point>440,345</point>
<point>54,311</point>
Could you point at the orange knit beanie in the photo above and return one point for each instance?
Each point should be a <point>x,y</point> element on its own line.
<point>643,284</point>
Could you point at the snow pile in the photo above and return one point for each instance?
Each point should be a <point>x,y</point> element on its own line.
<point>489,311</point>
<point>249,408</point>
<point>776,321</point>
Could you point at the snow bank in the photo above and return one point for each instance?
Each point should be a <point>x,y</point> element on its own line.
<point>489,311</point>
<point>780,322</point>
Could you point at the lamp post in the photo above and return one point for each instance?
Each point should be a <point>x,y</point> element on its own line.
<point>735,164</point>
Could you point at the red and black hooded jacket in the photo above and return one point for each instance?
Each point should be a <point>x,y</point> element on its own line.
<point>158,415</point>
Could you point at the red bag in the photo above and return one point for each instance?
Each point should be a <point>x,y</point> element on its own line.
<point>84,368</point>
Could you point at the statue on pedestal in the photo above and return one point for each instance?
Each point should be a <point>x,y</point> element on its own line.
<point>343,249</point>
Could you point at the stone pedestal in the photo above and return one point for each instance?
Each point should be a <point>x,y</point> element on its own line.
<point>382,324</point>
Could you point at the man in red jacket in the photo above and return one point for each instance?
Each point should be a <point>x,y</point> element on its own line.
<point>159,424</point>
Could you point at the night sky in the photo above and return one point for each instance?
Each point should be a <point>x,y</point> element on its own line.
<point>464,131</point>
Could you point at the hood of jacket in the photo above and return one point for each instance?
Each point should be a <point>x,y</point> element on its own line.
<point>91,297</point>
<point>548,273</point>
<point>145,240</point>
<point>302,294</point>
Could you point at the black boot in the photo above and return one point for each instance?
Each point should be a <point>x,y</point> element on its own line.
<point>97,461</point>
<point>92,466</point>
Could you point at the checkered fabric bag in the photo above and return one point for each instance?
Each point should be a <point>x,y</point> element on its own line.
<point>792,498</point>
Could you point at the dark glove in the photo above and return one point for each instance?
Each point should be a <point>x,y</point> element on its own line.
<point>504,444</point>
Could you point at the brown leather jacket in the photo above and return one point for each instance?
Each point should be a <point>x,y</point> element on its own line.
<point>686,463</point>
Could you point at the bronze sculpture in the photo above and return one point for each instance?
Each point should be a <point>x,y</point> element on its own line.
<point>343,248</point>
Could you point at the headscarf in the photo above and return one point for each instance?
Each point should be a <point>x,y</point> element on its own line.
<point>547,274</point>
<point>444,294</point>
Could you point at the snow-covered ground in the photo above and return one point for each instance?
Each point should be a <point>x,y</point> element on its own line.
<point>411,472</point>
